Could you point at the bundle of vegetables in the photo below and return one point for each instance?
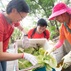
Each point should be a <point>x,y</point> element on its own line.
<point>43,59</point>
<point>47,60</point>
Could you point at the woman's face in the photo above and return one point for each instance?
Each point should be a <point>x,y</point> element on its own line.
<point>62,18</point>
<point>41,29</point>
<point>59,19</point>
<point>21,16</point>
<point>17,16</point>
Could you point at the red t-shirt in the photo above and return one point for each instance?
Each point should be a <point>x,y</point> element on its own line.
<point>6,30</point>
<point>36,35</point>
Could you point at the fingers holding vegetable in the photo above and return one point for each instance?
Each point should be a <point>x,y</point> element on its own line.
<point>30,58</point>
<point>50,50</point>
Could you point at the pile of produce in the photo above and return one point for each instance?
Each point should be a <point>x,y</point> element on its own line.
<point>43,59</point>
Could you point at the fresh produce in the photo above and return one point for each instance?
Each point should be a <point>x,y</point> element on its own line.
<point>24,64</point>
<point>43,59</point>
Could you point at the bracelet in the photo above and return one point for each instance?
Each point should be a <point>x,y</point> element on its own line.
<point>22,55</point>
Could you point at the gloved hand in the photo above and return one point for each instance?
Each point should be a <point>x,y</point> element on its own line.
<point>66,65</point>
<point>25,42</point>
<point>30,58</point>
<point>67,60</point>
<point>50,50</point>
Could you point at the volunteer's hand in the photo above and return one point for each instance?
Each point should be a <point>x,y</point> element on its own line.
<point>25,42</point>
<point>30,58</point>
<point>50,50</point>
<point>67,60</point>
<point>66,65</point>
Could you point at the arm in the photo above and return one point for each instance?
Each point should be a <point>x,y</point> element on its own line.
<point>58,45</point>
<point>61,38</point>
<point>21,29</point>
<point>4,56</point>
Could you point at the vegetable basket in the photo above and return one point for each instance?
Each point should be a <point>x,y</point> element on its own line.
<point>45,45</point>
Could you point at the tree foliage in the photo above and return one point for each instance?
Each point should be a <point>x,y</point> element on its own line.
<point>42,7</point>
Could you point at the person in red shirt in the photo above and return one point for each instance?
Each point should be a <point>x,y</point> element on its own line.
<point>16,10</point>
<point>62,13</point>
<point>40,31</point>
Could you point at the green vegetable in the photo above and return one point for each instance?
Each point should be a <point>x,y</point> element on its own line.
<point>24,64</point>
<point>44,60</point>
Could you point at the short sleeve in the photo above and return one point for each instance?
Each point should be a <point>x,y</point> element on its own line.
<point>1,31</point>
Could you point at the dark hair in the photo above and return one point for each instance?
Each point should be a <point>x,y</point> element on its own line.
<point>19,5</point>
<point>42,22</point>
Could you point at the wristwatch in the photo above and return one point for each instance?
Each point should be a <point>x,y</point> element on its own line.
<point>25,35</point>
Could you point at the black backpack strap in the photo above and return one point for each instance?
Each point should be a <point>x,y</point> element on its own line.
<point>68,29</point>
<point>33,32</point>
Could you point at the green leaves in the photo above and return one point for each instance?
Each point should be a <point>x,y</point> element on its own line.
<point>43,60</point>
<point>43,7</point>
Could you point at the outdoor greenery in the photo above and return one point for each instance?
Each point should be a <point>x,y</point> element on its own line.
<point>39,9</point>
<point>43,9</point>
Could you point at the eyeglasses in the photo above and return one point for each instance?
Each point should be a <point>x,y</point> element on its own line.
<point>20,15</point>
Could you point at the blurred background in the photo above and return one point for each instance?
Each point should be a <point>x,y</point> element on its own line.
<point>38,9</point>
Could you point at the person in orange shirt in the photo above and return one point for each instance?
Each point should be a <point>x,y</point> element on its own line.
<point>62,13</point>
<point>40,31</point>
<point>16,10</point>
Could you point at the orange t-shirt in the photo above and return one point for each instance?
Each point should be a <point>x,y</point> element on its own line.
<point>64,34</point>
<point>6,30</point>
<point>36,35</point>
